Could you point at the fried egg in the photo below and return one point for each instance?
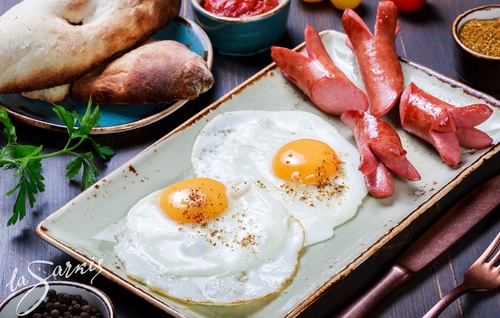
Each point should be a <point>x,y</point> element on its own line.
<point>203,242</point>
<point>298,157</point>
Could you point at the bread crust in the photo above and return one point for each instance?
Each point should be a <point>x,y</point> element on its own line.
<point>51,95</point>
<point>155,72</point>
<point>53,42</point>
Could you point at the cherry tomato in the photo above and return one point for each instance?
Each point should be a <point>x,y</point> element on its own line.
<point>344,4</point>
<point>409,5</point>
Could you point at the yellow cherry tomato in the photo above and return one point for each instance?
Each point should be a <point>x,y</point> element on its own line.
<point>344,4</point>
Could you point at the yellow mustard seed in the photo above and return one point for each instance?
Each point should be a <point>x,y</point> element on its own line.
<point>482,36</point>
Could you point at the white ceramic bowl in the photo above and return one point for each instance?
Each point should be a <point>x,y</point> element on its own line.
<point>24,299</point>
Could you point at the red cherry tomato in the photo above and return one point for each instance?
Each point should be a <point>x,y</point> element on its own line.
<point>409,5</point>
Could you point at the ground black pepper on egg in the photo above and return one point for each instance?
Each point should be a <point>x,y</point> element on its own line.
<point>62,305</point>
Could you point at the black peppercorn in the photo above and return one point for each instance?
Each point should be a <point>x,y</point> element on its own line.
<point>51,294</point>
<point>63,305</point>
<point>55,313</point>
<point>59,297</point>
<point>87,309</point>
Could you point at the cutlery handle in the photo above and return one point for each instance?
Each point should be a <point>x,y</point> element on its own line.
<point>446,301</point>
<point>395,277</point>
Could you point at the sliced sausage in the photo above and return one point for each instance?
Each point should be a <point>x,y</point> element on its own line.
<point>376,56</point>
<point>318,77</point>
<point>381,152</point>
<point>443,125</point>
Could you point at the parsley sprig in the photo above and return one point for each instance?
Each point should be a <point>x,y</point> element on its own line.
<point>27,159</point>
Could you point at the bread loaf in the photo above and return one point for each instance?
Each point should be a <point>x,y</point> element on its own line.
<point>155,72</point>
<point>51,95</point>
<point>53,42</point>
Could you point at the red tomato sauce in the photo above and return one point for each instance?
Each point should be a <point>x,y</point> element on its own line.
<point>239,8</point>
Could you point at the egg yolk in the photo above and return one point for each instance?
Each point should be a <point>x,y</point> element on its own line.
<point>194,200</point>
<point>306,161</point>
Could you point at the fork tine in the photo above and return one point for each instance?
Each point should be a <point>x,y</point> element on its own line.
<point>487,253</point>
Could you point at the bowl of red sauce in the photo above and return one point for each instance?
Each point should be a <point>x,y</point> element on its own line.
<point>477,48</point>
<point>242,27</point>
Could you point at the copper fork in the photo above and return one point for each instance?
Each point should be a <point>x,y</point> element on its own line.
<point>483,275</point>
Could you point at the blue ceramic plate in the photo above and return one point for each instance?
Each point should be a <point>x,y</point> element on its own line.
<point>114,118</point>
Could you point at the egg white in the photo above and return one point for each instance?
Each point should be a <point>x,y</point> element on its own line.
<point>241,144</point>
<point>249,252</point>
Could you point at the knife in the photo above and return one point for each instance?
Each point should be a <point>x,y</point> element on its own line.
<point>437,239</point>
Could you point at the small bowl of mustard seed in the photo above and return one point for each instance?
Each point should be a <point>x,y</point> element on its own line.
<point>57,299</point>
<point>477,51</point>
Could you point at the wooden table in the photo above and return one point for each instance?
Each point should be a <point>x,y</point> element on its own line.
<point>426,39</point>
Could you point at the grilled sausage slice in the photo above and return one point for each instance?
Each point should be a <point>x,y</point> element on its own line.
<point>381,153</point>
<point>318,77</point>
<point>443,125</point>
<point>376,56</point>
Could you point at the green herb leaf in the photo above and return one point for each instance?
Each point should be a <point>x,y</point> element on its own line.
<point>103,151</point>
<point>81,132</point>
<point>73,167</point>
<point>27,159</point>
<point>67,118</point>
<point>89,176</point>
<point>30,183</point>
<point>9,131</point>
<point>20,204</point>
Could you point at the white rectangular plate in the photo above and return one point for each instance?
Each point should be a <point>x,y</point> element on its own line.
<point>77,228</point>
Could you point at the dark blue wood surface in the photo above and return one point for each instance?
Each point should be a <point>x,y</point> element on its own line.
<point>425,39</point>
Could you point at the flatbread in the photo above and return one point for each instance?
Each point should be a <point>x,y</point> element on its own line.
<point>53,42</point>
